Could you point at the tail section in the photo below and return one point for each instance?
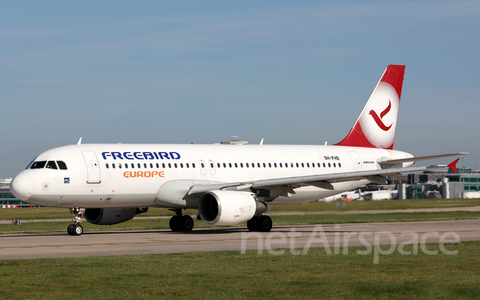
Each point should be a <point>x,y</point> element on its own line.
<point>377,123</point>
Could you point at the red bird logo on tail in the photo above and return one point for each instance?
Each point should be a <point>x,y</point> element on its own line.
<point>378,119</point>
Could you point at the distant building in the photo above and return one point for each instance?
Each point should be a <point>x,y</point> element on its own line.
<point>7,200</point>
<point>234,140</point>
<point>439,184</point>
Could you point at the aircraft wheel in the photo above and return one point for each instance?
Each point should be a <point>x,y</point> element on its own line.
<point>175,223</point>
<point>187,223</point>
<point>264,224</point>
<point>77,229</point>
<point>252,224</point>
<point>70,229</point>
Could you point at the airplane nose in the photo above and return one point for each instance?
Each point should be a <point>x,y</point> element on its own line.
<point>22,186</point>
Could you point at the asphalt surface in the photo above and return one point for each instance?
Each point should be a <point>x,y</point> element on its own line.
<point>293,238</point>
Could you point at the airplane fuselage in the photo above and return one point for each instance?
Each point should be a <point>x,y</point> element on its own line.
<point>129,175</point>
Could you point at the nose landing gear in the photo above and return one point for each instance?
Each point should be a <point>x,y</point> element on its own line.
<point>76,229</point>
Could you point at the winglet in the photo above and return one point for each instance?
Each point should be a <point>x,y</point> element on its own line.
<point>453,165</point>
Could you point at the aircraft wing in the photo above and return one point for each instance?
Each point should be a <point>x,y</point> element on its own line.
<point>418,158</point>
<point>322,181</point>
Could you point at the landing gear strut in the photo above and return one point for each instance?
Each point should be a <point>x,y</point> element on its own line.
<point>180,222</point>
<point>260,223</point>
<point>76,228</point>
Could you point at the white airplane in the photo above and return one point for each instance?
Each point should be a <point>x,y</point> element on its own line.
<point>228,184</point>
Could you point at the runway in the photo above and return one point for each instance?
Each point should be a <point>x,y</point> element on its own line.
<point>29,246</point>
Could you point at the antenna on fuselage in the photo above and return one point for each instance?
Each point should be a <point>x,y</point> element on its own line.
<point>261,142</point>
<point>79,141</point>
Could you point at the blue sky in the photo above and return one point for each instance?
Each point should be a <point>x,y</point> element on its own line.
<point>183,71</point>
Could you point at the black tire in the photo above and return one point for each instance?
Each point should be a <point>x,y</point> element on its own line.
<point>187,223</point>
<point>264,224</point>
<point>252,224</point>
<point>175,223</point>
<point>70,229</point>
<point>77,229</point>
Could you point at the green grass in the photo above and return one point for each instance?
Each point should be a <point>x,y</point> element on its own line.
<point>278,220</point>
<point>230,275</point>
<point>58,213</point>
<point>378,205</point>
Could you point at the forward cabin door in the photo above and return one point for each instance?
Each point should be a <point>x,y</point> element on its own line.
<point>93,169</point>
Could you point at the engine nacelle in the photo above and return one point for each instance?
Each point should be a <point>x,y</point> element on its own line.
<point>228,207</point>
<point>114,215</point>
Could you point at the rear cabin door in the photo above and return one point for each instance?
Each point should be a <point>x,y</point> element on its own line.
<point>93,169</point>
<point>357,164</point>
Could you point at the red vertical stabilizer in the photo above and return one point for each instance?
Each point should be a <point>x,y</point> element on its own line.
<point>377,123</point>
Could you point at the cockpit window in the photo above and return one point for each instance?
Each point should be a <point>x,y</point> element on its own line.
<point>31,163</point>
<point>61,165</point>
<point>38,165</point>
<point>51,165</point>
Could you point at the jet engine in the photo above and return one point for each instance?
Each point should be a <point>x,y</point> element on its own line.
<point>114,215</point>
<point>229,207</point>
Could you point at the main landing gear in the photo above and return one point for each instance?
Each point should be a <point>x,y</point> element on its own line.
<point>76,228</point>
<point>260,223</point>
<point>180,222</point>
